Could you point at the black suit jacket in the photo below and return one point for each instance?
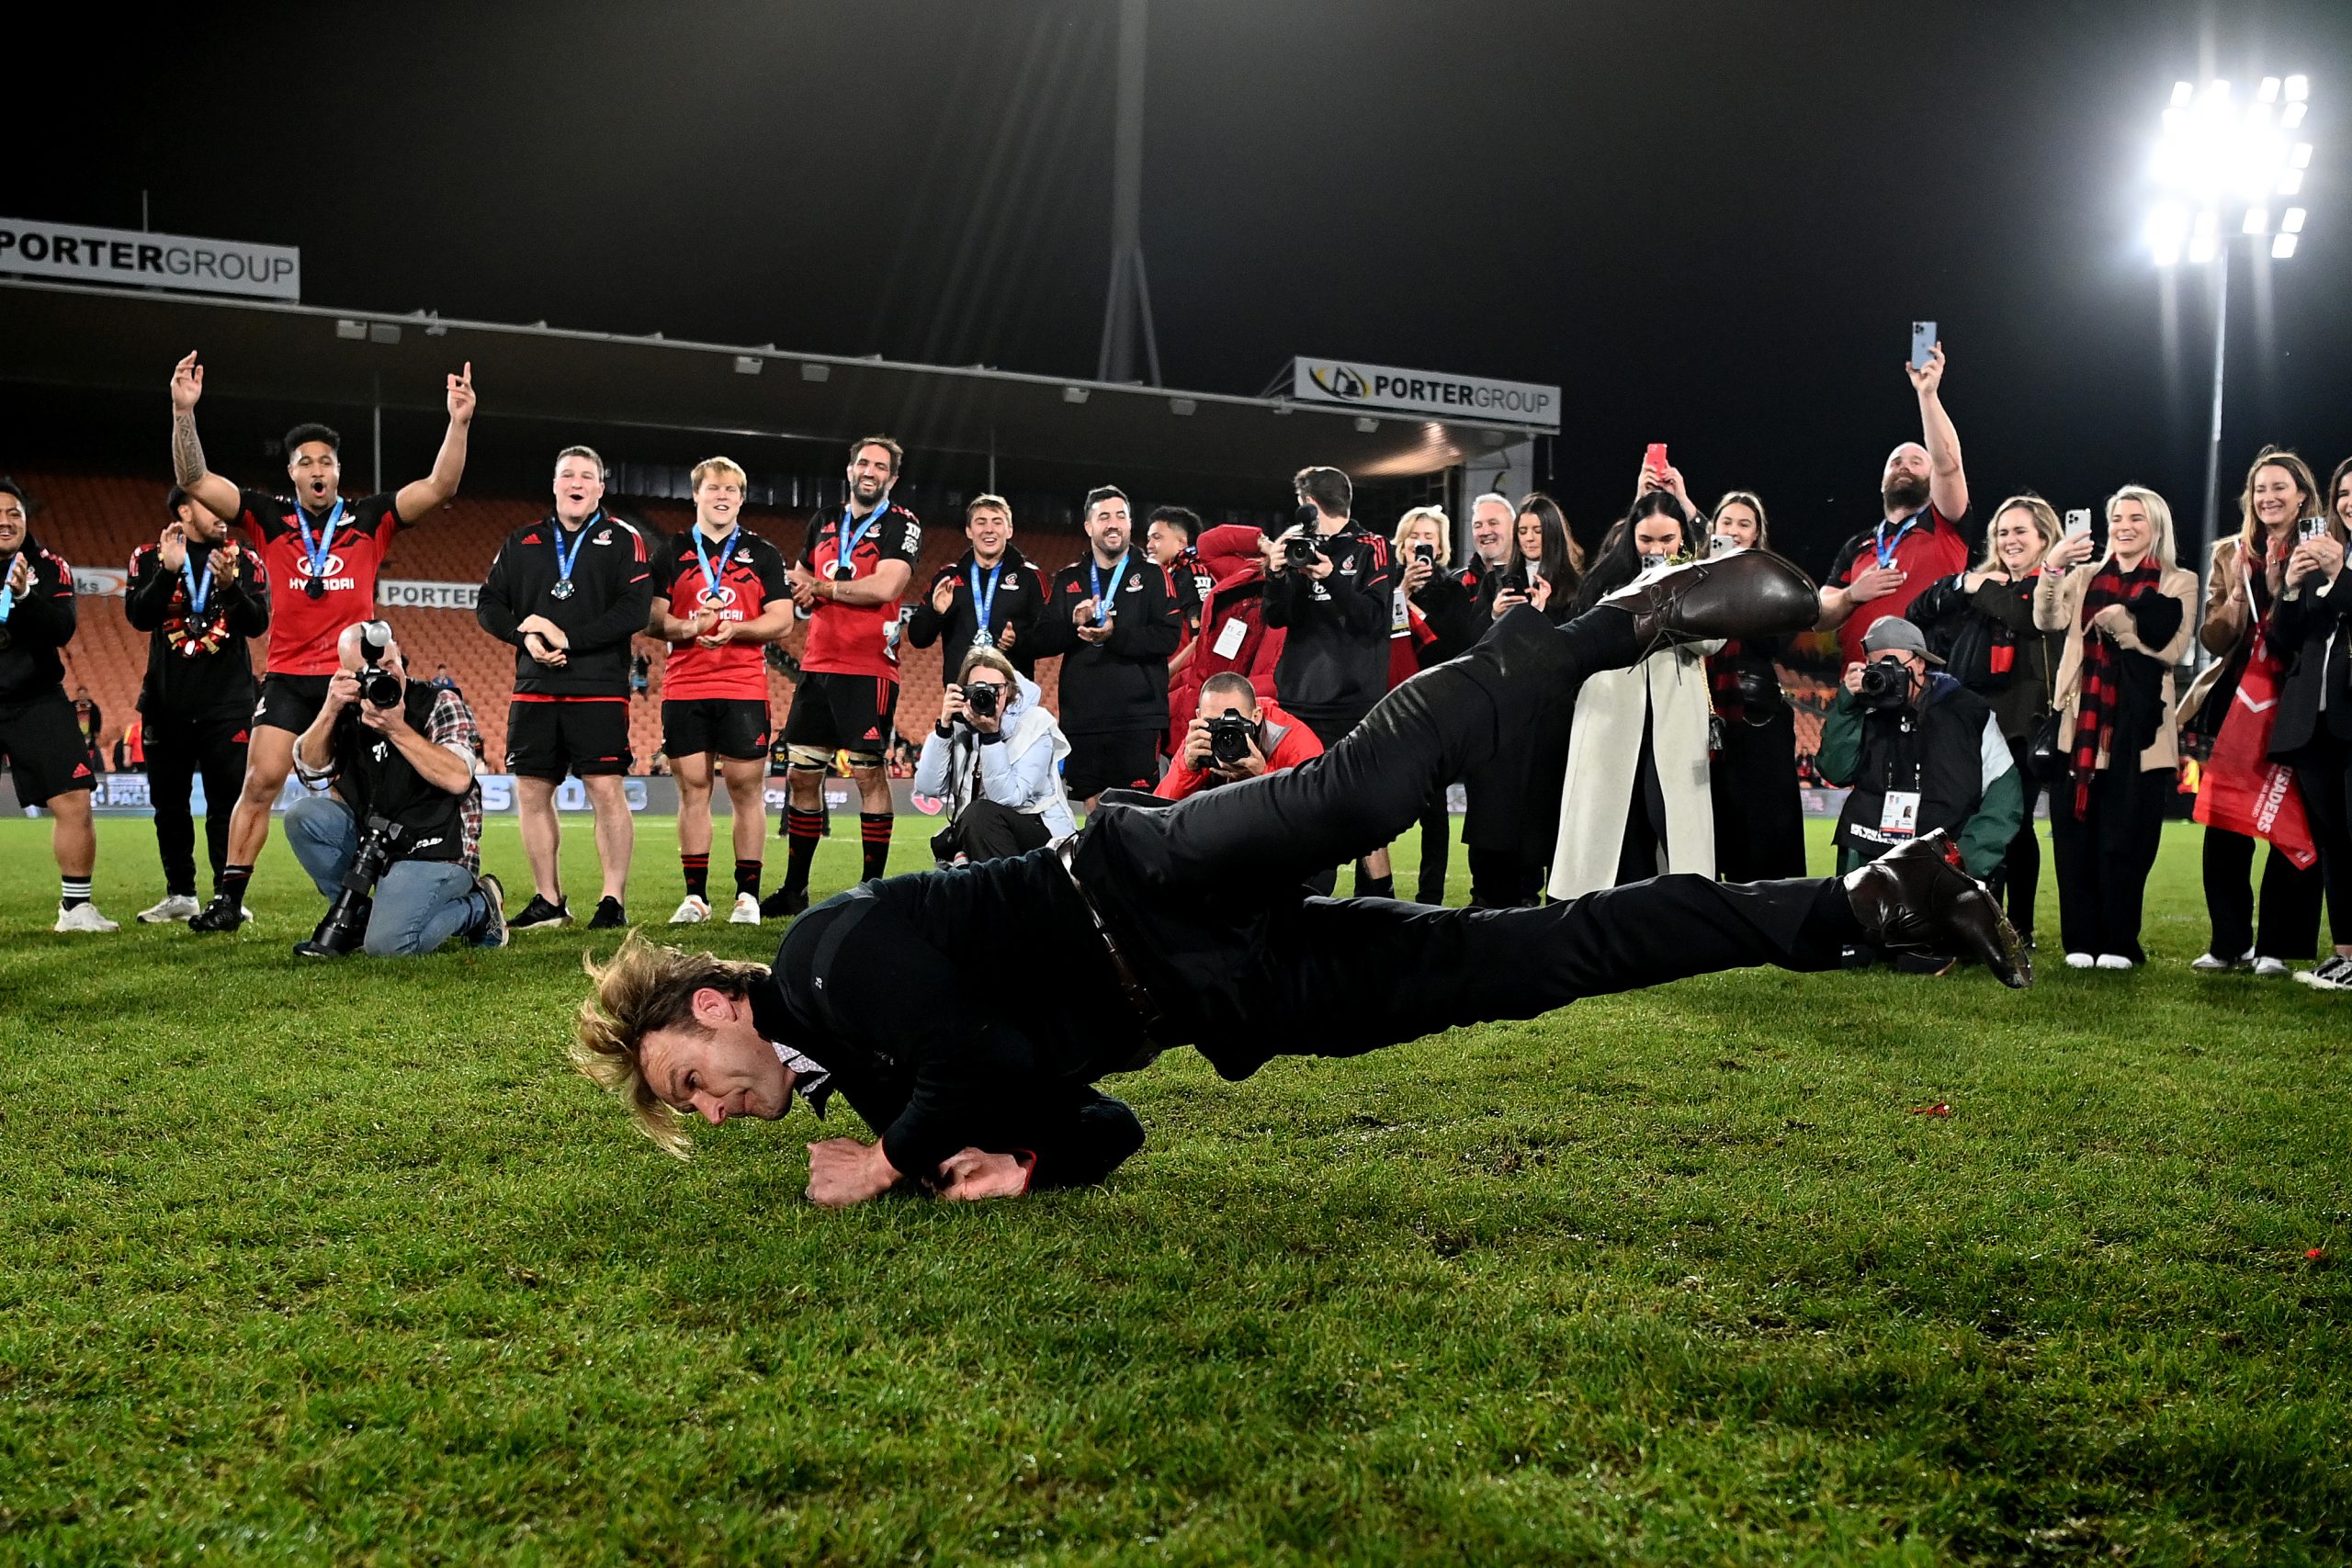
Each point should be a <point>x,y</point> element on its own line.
<point>902,991</point>
<point>2301,630</point>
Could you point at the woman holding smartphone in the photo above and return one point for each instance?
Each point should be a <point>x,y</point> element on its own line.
<point>1449,616</point>
<point>2241,591</point>
<point>1636,802</point>
<point>1983,617</point>
<point>2126,621</point>
<point>1544,562</point>
<point>1758,815</point>
<point>2313,732</point>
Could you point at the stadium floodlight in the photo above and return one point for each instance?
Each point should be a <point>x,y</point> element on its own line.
<point>2219,166</point>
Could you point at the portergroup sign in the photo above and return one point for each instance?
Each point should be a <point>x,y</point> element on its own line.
<point>1358,385</point>
<point>134,256</point>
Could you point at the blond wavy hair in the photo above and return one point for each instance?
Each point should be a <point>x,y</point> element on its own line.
<point>2045,523</point>
<point>645,986</point>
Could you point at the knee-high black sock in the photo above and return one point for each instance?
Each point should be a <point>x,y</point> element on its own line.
<point>802,830</point>
<point>697,872</point>
<point>873,829</point>
<point>747,877</point>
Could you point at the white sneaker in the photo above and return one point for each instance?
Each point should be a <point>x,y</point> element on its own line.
<point>691,911</point>
<point>2334,973</point>
<point>83,916</point>
<point>2269,969</point>
<point>746,911</point>
<point>2079,961</point>
<point>2209,963</point>
<point>175,907</point>
<point>2113,961</point>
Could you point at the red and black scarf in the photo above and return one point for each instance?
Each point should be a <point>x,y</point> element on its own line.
<point>2102,672</point>
<point>1723,681</point>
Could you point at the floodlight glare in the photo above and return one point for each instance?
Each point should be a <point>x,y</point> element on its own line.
<point>2283,247</point>
<point>2290,182</point>
<point>2258,220</point>
<point>2301,157</point>
<point>2293,222</point>
<point>2201,249</point>
<point>2182,93</point>
<point>2299,87</point>
<point>2292,115</point>
<point>2269,92</point>
<point>2225,164</point>
<point>2168,231</point>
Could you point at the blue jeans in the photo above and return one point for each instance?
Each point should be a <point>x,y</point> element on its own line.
<point>420,904</point>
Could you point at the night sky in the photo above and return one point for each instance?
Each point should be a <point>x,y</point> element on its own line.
<point>1712,223</point>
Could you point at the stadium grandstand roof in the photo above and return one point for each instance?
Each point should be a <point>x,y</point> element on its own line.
<point>116,339</point>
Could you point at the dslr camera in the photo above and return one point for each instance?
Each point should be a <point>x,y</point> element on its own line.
<point>1231,737</point>
<point>378,687</point>
<point>1302,548</point>
<point>1886,688</point>
<point>983,698</point>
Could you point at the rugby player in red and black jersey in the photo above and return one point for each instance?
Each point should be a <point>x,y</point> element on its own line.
<point>197,595</point>
<point>319,555</point>
<point>850,579</point>
<point>569,592</point>
<point>48,754</point>
<point>720,592</point>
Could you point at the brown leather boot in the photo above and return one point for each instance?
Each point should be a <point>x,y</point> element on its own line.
<point>1752,593</point>
<point>1915,898</point>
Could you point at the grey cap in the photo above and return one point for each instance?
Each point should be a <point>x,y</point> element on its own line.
<point>1895,635</point>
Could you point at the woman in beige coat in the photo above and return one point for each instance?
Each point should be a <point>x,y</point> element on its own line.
<point>2128,618</point>
<point>1636,802</point>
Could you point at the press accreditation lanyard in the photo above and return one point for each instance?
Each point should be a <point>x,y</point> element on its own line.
<point>1106,604</point>
<point>315,551</point>
<point>726,554</point>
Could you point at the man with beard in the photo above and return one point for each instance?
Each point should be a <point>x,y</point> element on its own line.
<point>568,592</point>
<point>1917,542</point>
<point>1115,617</point>
<point>1187,925</point>
<point>989,597</point>
<point>850,579</point>
<point>199,597</point>
<point>319,555</point>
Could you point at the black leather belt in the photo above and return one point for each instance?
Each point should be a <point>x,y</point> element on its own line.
<point>1155,1022</point>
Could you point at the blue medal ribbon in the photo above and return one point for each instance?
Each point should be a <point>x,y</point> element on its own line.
<point>199,590</point>
<point>1105,605</point>
<point>7,594</point>
<point>564,558</point>
<point>317,552</point>
<point>1886,547</point>
<point>711,579</point>
<point>982,604</point>
<point>846,539</point>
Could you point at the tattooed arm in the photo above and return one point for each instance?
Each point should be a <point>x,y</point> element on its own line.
<point>218,494</point>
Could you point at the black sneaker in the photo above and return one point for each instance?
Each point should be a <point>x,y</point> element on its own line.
<point>540,915</point>
<point>784,903</point>
<point>609,916</point>
<point>491,932</point>
<point>222,915</point>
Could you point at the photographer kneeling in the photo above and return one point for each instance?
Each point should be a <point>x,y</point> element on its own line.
<point>994,758</point>
<point>1922,752</point>
<point>403,821</point>
<point>1235,737</point>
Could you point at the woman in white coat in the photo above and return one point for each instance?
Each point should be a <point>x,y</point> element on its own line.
<point>1636,803</point>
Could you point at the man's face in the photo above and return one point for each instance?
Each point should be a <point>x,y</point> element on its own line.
<point>579,488</point>
<point>1216,704</point>
<point>718,501</point>
<point>988,528</point>
<point>1164,542</point>
<point>1490,531</point>
<point>871,473</point>
<point>201,523</point>
<point>1904,486</point>
<point>718,1068</point>
<point>1107,526</point>
<point>12,524</point>
<point>317,474</point>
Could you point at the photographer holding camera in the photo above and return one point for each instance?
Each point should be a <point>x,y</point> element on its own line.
<point>994,758</point>
<point>1922,752</point>
<point>396,843</point>
<point>1235,736</point>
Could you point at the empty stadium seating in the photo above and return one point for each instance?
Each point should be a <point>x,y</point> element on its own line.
<point>96,520</point>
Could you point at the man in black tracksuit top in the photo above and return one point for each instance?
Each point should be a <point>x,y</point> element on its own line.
<point>991,576</point>
<point>569,592</point>
<point>199,597</point>
<point>1116,620</point>
<point>1185,924</point>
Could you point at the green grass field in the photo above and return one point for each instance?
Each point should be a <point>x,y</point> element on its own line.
<point>342,1264</point>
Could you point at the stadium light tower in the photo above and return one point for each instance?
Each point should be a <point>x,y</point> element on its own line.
<point>2226,172</point>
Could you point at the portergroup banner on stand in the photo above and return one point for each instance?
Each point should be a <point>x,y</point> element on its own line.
<point>137,258</point>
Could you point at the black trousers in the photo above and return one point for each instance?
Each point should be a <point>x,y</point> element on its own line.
<point>2103,859</point>
<point>1437,832</point>
<point>1204,894</point>
<point>2017,879</point>
<point>1500,880</point>
<point>990,830</point>
<point>178,751</point>
<point>2291,898</point>
<point>2323,775</point>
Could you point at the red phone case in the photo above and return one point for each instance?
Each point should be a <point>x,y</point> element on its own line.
<point>1655,458</point>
